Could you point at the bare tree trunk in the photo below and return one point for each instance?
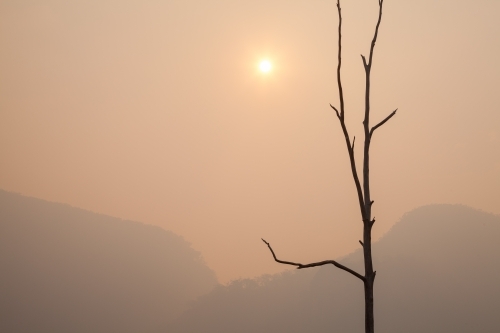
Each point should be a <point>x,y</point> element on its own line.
<point>363,192</point>
<point>368,281</point>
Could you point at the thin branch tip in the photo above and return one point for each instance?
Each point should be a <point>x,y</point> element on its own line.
<point>386,119</point>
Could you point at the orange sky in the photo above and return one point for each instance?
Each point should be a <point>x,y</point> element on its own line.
<point>155,111</point>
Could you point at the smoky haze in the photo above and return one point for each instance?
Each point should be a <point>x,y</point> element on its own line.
<point>65,269</point>
<point>437,272</point>
<point>155,111</point>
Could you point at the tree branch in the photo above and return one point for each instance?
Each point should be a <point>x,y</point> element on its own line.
<point>366,122</point>
<point>364,61</point>
<point>374,40</point>
<point>339,63</point>
<point>382,122</point>
<point>314,264</point>
<point>336,111</point>
<point>340,115</point>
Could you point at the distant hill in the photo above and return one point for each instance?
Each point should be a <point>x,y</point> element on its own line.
<point>438,271</point>
<point>64,269</point>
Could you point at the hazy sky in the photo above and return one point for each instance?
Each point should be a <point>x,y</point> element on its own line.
<point>155,111</point>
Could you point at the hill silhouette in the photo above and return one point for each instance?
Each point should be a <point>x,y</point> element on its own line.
<point>65,269</point>
<point>437,271</point>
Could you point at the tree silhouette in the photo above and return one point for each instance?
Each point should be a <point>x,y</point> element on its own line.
<point>362,189</point>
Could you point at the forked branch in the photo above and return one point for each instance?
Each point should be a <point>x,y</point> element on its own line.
<point>314,264</point>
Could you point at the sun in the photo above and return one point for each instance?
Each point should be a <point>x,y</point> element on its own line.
<point>265,66</point>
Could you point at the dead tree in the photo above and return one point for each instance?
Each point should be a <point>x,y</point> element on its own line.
<point>362,186</point>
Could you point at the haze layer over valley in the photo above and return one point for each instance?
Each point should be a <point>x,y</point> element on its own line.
<point>437,272</point>
<point>64,269</point>
<point>69,270</point>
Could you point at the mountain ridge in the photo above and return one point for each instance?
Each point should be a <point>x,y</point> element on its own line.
<point>437,271</point>
<point>67,269</point>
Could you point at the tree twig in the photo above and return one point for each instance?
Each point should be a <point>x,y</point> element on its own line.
<point>382,122</point>
<point>314,264</point>
<point>336,111</point>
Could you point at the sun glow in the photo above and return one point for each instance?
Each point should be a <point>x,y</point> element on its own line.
<point>265,66</point>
